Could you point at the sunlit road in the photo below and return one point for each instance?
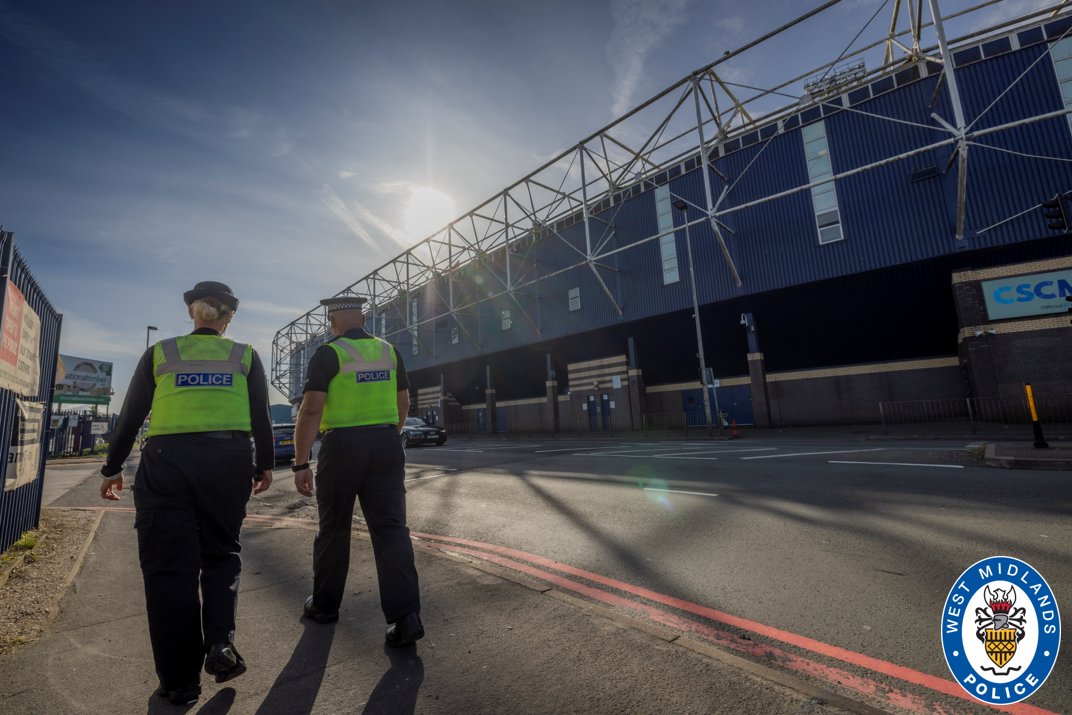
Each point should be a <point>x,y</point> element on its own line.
<point>855,544</point>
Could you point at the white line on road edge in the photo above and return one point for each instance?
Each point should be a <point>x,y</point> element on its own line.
<point>678,491</point>
<point>682,455</point>
<point>897,464</point>
<point>448,449</point>
<point>562,449</point>
<point>808,454</point>
<point>431,466</point>
<point>430,476</point>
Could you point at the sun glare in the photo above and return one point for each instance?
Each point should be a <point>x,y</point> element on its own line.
<point>428,211</point>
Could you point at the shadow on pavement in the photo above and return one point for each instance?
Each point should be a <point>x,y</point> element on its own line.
<point>298,684</point>
<point>396,693</point>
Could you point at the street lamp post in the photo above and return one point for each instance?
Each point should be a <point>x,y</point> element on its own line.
<point>683,206</point>
<point>148,329</point>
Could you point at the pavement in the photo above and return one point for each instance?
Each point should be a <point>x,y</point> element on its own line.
<point>497,641</point>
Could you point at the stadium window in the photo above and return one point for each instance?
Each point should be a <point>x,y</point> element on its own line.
<point>668,243</point>
<point>506,320</point>
<point>454,335</point>
<point>1061,54</point>
<point>824,196</point>
<point>413,330</point>
<point>574,299</point>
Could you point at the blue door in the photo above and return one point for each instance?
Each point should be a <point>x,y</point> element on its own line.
<point>500,419</point>
<point>692,406</point>
<point>481,422</point>
<point>736,404</point>
<point>591,406</point>
<point>604,409</point>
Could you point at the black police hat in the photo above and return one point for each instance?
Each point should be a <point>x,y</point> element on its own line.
<point>211,289</point>
<point>346,302</point>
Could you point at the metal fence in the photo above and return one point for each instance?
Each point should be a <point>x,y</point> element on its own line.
<point>20,508</point>
<point>77,434</point>
<point>976,414</point>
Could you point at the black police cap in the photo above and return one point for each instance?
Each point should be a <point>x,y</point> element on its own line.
<point>211,289</point>
<point>346,302</point>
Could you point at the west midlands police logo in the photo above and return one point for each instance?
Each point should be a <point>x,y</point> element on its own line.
<point>1001,630</point>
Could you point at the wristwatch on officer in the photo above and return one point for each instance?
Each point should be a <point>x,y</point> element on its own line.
<point>298,467</point>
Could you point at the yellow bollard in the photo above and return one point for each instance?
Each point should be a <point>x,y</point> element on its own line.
<point>1040,441</point>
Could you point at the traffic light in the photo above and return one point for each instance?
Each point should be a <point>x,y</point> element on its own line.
<point>1056,213</point>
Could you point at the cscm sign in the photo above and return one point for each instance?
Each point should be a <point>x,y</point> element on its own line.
<point>1029,295</point>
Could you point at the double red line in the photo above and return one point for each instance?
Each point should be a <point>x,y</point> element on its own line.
<point>711,628</point>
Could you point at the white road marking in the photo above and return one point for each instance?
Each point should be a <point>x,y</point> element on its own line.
<point>898,464</point>
<point>562,449</point>
<point>717,451</point>
<point>448,449</point>
<point>808,454</point>
<point>678,491</point>
<point>431,466</point>
<point>430,476</point>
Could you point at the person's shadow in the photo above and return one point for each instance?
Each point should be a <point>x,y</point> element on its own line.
<point>396,693</point>
<point>296,687</point>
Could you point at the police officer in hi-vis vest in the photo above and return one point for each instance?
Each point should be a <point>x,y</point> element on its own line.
<point>206,395</point>
<point>357,394</point>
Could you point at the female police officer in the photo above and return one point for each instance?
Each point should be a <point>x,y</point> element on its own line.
<point>206,394</point>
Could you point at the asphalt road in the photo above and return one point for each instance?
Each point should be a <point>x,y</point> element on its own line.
<point>855,544</point>
<point>851,545</point>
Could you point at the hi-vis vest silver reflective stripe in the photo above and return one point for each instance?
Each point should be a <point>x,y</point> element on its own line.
<point>200,385</point>
<point>365,391</point>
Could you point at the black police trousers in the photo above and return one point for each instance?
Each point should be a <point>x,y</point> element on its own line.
<point>369,466</point>
<point>190,494</point>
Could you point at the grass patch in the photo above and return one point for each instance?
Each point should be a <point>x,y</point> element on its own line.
<point>23,548</point>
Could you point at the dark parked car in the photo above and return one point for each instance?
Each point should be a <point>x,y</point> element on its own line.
<point>284,442</point>
<point>417,431</point>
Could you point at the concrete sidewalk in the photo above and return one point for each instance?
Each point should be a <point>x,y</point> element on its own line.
<point>1024,455</point>
<point>494,645</point>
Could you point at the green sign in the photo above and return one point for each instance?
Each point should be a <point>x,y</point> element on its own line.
<point>84,382</point>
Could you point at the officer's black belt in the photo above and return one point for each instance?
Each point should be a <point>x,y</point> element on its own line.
<point>224,434</point>
<point>358,428</point>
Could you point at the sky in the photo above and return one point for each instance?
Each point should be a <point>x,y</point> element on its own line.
<point>289,149</point>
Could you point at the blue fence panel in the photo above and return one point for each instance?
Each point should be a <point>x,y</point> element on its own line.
<point>20,508</point>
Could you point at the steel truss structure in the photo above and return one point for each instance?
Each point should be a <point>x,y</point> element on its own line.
<point>683,124</point>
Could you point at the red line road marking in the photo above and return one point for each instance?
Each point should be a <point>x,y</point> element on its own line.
<point>941,685</point>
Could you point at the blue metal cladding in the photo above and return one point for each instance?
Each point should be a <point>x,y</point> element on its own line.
<point>20,508</point>
<point>898,213</point>
<point>1001,184</point>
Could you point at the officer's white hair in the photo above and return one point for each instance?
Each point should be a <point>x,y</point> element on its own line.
<point>207,309</point>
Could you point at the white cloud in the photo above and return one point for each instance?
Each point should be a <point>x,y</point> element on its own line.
<point>640,26</point>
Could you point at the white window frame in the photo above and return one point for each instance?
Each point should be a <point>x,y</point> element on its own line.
<point>506,322</point>
<point>416,349</point>
<point>574,295</point>
<point>824,201</point>
<point>1061,59</point>
<point>664,217</point>
<point>454,338</point>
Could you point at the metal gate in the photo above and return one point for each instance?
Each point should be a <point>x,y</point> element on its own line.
<point>20,504</point>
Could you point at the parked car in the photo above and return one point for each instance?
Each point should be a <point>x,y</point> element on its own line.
<point>417,431</point>
<point>283,437</point>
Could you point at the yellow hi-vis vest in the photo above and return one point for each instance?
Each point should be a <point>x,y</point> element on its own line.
<point>200,385</point>
<point>365,392</point>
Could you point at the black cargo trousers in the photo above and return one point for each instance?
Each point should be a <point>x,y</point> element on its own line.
<point>190,493</point>
<point>365,464</point>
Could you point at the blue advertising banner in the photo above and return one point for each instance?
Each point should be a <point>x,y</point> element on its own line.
<point>1030,295</point>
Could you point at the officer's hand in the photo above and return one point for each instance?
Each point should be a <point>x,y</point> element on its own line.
<point>110,486</point>
<point>264,483</point>
<point>303,482</point>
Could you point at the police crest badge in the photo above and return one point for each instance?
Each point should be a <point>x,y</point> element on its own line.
<point>1001,630</point>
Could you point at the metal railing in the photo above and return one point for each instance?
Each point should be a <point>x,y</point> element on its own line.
<point>975,414</point>
<point>20,504</point>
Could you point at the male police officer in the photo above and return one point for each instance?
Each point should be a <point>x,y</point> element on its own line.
<point>206,394</point>
<point>357,393</point>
